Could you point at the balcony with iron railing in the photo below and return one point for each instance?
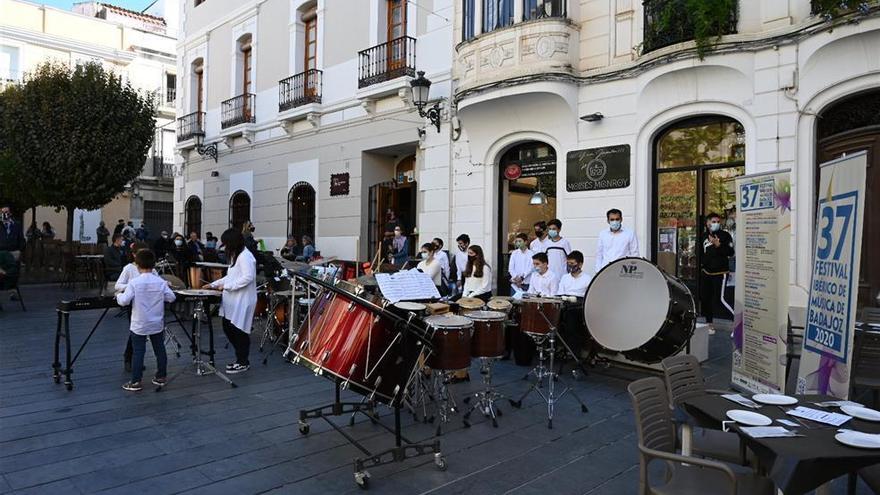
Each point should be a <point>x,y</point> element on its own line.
<point>162,168</point>
<point>190,125</point>
<point>387,61</point>
<point>300,89</point>
<point>238,110</point>
<point>668,22</point>
<point>170,96</point>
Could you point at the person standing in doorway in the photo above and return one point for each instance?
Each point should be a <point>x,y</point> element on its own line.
<point>615,242</point>
<point>556,247</point>
<point>537,244</point>
<point>520,265</point>
<point>239,298</point>
<point>717,250</point>
<point>400,244</point>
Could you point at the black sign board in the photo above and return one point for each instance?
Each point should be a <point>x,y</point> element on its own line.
<point>339,184</point>
<point>597,168</point>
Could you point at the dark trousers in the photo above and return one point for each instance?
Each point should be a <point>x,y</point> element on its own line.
<point>240,341</point>
<point>572,328</point>
<point>128,350</point>
<point>139,346</point>
<point>710,296</point>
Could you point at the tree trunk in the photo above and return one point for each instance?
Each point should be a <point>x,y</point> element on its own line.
<point>70,211</point>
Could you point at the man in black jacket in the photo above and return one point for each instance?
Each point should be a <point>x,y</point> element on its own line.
<point>114,258</point>
<point>717,250</point>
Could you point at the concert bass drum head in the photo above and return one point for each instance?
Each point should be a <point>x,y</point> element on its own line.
<point>626,304</point>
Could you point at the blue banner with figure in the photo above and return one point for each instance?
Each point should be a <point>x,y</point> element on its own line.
<point>826,360</point>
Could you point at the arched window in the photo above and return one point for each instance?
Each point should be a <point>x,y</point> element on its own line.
<point>695,161</point>
<point>239,209</point>
<point>193,216</point>
<point>301,211</point>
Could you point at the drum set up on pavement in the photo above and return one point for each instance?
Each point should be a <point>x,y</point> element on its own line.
<point>406,354</point>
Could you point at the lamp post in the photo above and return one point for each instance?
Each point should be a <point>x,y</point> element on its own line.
<point>210,150</point>
<point>421,86</point>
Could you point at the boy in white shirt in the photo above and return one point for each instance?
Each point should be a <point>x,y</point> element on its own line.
<point>543,282</point>
<point>147,293</point>
<point>537,244</point>
<point>575,282</point>
<point>520,265</point>
<point>556,247</point>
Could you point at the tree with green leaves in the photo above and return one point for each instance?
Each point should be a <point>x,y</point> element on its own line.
<point>76,136</point>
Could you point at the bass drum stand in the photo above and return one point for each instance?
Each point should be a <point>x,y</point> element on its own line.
<point>541,372</point>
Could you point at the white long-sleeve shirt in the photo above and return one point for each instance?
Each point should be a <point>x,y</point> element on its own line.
<point>129,272</point>
<point>612,246</point>
<point>432,268</point>
<point>544,285</point>
<point>239,291</point>
<point>570,285</point>
<point>443,258</point>
<point>147,295</point>
<point>460,262</point>
<point>476,286</point>
<point>520,264</point>
<point>557,252</point>
<point>537,245</point>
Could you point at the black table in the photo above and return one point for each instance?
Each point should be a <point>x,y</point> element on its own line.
<point>800,464</point>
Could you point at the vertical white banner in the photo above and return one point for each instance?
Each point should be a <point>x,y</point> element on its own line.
<point>831,310</point>
<point>763,236</point>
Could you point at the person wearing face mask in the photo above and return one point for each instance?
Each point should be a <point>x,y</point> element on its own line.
<point>544,282</point>
<point>556,247</point>
<point>477,275</point>
<point>575,281</point>
<point>615,242</point>
<point>573,284</point>
<point>717,250</point>
<point>443,258</point>
<point>537,244</point>
<point>400,246</point>
<point>430,266</point>
<point>11,233</point>
<point>182,256</point>
<point>520,265</point>
<point>460,257</point>
<point>162,245</point>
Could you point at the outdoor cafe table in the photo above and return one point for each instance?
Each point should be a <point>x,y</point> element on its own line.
<point>796,464</point>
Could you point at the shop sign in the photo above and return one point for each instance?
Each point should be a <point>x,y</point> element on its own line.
<point>598,168</point>
<point>538,169</point>
<point>512,171</point>
<point>339,184</point>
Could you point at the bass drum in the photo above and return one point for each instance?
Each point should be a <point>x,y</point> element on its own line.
<point>634,308</point>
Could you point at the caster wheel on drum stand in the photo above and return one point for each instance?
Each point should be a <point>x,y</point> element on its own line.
<point>303,428</point>
<point>515,403</point>
<point>494,423</point>
<point>362,478</point>
<point>440,462</point>
<point>549,424</point>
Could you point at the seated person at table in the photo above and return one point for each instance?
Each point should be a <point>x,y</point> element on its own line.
<point>114,258</point>
<point>147,293</point>
<point>575,282</point>
<point>291,251</point>
<point>477,275</point>
<point>543,282</point>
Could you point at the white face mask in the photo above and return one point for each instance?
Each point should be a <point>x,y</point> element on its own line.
<point>178,242</point>
<point>615,225</point>
<point>714,226</point>
<point>424,255</point>
<point>553,233</point>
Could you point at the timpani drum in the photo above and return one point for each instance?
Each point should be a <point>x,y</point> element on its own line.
<point>451,340</point>
<point>468,304</point>
<point>488,338</point>
<point>500,304</point>
<point>634,308</point>
<point>539,314</point>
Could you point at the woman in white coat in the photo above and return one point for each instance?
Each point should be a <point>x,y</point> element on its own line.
<point>239,298</point>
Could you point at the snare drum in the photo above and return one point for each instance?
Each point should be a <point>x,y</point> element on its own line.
<point>468,304</point>
<point>405,308</point>
<point>539,314</point>
<point>452,342</point>
<point>488,339</point>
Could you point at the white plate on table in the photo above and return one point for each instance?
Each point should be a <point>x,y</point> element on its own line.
<point>775,399</point>
<point>749,418</point>
<point>861,413</point>
<point>858,439</point>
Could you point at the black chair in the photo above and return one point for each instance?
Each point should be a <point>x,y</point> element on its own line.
<point>9,282</point>
<point>866,365</point>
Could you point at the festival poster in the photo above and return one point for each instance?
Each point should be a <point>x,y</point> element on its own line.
<point>831,310</point>
<point>763,235</point>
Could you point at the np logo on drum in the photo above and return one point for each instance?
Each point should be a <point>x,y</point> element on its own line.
<point>631,271</point>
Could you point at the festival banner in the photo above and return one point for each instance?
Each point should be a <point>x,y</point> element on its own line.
<point>763,235</point>
<point>831,310</point>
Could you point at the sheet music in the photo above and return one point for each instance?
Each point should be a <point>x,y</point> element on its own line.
<point>410,285</point>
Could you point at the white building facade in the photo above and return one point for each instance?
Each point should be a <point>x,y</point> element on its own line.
<point>307,99</point>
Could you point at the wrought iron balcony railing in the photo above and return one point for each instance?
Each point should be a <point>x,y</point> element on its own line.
<point>190,125</point>
<point>238,110</point>
<point>300,89</point>
<point>387,61</point>
<point>161,168</point>
<point>668,22</point>
<point>170,96</point>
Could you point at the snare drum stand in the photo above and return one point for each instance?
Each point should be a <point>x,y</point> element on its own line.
<point>486,398</point>
<point>446,404</point>
<point>541,372</point>
<point>200,367</point>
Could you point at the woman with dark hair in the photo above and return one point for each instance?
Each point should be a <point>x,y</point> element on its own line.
<point>430,266</point>
<point>239,298</point>
<point>478,275</point>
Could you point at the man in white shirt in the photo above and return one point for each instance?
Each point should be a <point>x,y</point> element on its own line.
<point>461,258</point>
<point>147,293</point>
<point>520,265</point>
<point>575,282</point>
<point>556,247</point>
<point>615,242</point>
<point>443,257</point>
<point>543,282</point>
<point>537,244</point>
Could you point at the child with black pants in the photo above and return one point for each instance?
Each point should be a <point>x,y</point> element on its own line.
<point>147,295</point>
